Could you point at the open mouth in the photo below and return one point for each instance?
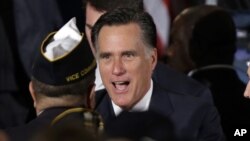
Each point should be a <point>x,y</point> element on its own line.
<point>121,86</point>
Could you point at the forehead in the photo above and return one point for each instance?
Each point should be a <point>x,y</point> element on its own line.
<point>130,31</point>
<point>124,36</point>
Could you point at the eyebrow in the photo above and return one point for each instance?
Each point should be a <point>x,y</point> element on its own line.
<point>104,54</point>
<point>133,52</point>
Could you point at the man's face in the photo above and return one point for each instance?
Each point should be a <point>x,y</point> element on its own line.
<point>247,91</point>
<point>92,15</point>
<point>125,66</point>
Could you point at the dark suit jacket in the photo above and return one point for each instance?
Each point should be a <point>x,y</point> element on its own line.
<point>13,110</point>
<point>174,81</point>
<point>185,102</point>
<point>227,90</point>
<point>193,118</point>
<point>27,131</point>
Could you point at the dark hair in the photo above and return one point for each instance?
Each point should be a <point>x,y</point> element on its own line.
<point>183,24</point>
<point>123,16</point>
<point>213,39</point>
<point>77,88</point>
<point>109,5</point>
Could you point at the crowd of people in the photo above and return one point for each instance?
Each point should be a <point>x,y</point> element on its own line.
<point>107,82</point>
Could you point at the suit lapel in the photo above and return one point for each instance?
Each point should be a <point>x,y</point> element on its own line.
<point>105,109</point>
<point>160,101</point>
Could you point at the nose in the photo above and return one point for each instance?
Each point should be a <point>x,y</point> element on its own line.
<point>118,67</point>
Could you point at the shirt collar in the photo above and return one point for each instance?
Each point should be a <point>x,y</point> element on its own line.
<point>142,105</point>
<point>98,81</point>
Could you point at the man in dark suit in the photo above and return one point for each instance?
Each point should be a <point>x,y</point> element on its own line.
<point>125,40</point>
<point>12,112</point>
<point>60,83</point>
<point>163,75</point>
<point>208,42</point>
<point>16,104</point>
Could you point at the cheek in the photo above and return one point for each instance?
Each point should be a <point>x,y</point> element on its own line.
<point>141,72</point>
<point>247,90</point>
<point>88,32</point>
<point>88,35</point>
<point>146,67</point>
<point>104,67</point>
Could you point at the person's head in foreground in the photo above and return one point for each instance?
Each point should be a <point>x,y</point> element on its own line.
<point>63,72</point>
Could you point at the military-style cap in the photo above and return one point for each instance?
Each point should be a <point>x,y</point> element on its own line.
<point>68,68</point>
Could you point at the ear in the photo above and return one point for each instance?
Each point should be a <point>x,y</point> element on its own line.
<point>154,58</point>
<point>32,92</point>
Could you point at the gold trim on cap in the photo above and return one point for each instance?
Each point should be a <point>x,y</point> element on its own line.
<point>86,121</point>
<point>60,57</point>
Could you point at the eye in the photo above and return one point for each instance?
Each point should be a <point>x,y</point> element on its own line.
<point>105,56</point>
<point>129,54</point>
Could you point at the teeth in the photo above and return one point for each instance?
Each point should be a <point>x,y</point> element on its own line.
<point>119,83</point>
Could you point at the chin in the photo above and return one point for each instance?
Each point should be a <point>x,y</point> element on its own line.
<point>121,103</point>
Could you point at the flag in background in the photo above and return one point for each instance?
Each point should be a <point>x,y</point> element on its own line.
<point>159,10</point>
